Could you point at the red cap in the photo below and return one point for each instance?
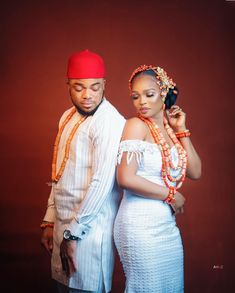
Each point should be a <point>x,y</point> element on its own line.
<point>85,64</point>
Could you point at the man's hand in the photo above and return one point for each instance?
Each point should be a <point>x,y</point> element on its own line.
<point>47,239</point>
<point>68,256</point>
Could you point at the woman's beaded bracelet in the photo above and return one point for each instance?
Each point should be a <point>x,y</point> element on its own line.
<point>170,197</point>
<point>185,133</point>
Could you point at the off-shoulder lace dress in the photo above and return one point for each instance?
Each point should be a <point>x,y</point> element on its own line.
<point>146,235</point>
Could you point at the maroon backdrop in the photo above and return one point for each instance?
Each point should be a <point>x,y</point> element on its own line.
<point>193,41</point>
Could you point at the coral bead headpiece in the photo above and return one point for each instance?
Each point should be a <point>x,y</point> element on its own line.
<point>163,80</point>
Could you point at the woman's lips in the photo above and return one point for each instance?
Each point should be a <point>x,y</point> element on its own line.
<point>143,110</point>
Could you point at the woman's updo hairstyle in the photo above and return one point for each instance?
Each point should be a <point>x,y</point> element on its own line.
<point>171,97</point>
<point>169,91</point>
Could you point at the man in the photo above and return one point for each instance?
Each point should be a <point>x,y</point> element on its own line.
<point>77,227</point>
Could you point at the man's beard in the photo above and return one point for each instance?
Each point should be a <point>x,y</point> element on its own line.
<point>90,113</point>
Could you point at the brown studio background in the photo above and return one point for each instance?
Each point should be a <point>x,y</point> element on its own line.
<point>193,41</point>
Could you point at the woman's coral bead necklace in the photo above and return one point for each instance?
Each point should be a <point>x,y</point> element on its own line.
<point>167,164</point>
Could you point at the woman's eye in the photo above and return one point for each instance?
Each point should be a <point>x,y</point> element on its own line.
<point>150,95</point>
<point>134,97</point>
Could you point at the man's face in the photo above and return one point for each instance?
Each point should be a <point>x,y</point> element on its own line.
<point>87,93</point>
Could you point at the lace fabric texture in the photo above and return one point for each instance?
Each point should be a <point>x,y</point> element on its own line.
<point>148,157</point>
<point>145,232</point>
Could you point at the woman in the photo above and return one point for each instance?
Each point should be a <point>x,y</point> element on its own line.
<point>155,155</point>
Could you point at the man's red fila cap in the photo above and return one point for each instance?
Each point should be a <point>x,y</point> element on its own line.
<point>85,64</point>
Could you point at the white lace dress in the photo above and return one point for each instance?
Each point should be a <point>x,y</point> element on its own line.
<point>145,232</point>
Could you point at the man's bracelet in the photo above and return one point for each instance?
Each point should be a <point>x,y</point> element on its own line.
<point>45,225</point>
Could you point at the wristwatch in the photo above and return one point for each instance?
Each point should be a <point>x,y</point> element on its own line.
<point>68,236</point>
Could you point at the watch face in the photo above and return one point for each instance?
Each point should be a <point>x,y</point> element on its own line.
<point>67,234</point>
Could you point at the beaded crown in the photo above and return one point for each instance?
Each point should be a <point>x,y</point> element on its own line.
<point>163,80</point>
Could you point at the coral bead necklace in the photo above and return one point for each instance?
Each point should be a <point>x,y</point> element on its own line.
<point>167,164</point>
<point>56,177</point>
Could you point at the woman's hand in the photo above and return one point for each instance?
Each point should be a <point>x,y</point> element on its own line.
<point>178,203</point>
<point>176,118</point>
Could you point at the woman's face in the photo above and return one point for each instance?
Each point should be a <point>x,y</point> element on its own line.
<point>146,96</point>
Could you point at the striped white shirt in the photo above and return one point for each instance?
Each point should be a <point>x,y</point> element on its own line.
<point>86,198</point>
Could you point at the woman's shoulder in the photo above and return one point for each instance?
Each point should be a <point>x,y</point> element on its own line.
<point>133,121</point>
<point>134,129</point>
